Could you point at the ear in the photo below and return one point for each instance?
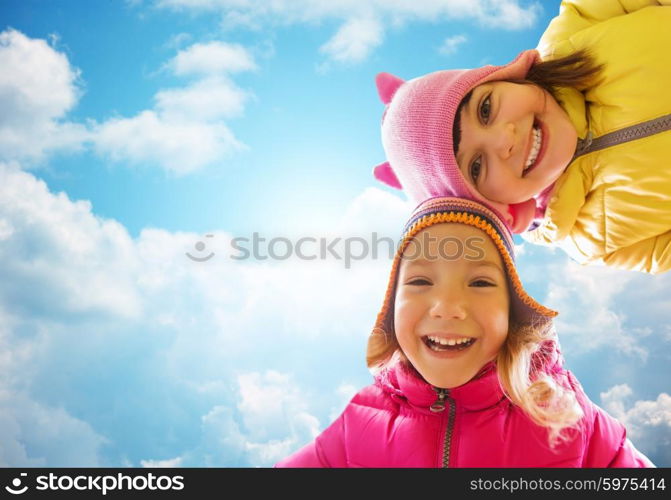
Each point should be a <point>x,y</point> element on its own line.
<point>384,173</point>
<point>522,215</point>
<point>387,85</point>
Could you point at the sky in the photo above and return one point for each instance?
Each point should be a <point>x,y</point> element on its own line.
<point>159,159</point>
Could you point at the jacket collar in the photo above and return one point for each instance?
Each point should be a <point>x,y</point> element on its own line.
<point>402,381</point>
<point>573,102</point>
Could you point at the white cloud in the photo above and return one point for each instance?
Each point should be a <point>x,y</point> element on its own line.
<point>41,83</point>
<point>180,147</point>
<point>588,316</point>
<point>613,400</point>
<point>93,321</point>
<point>648,423</point>
<point>451,44</point>
<point>33,434</point>
<point>354,40</point>
<point>204,101</point>
<point>186,129</point>
<point>274,414</point>
<point>362,215</point>
<point>267,423</point>
<point>66,260</point>
<point>38,86</point>
<point>178,40</point>
<point>363,20</point>
<point>214,58</point>
<point>170,462</point>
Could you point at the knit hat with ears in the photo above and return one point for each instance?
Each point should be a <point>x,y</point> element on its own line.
<point>417,134</point>
<point>525,309</point>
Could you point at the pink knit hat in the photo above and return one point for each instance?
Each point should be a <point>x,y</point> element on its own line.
<point>417,134</point>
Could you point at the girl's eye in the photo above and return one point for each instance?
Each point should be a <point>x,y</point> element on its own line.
<point>475,169</point>
<point>482,283</point>
<point>485,109</point>
<point>419,282</point>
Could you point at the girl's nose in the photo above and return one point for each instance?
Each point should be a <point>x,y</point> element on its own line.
<point>448,307</point>
<point>504,140</point>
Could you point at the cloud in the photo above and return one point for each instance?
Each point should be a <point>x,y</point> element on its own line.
<point>363,21</point>
<point>274,414</point>
<point>150,137</point>
<point>178,40</point>
<point>360,216</point>
<point>648,423</point>
<point>451,44</point>
<point>214,58</point>
<point>602,310</point>
<point>268,422</point>
<point>33,434</point>
<point>205,101</point>
<point>38,87</point>
<point>589,317</point>
<point>186,130</point>
<point>144,354</point>
<point>354,41</point>
<point>61,260</point>
<point>170,462</point>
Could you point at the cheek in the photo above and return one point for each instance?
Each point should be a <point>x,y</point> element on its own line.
<point>497,324</point>
<point>406,316</point>
<point>501,330</point>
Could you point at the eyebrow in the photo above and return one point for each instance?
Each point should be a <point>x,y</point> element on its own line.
<point>489,263</point>
<point>421,261</point>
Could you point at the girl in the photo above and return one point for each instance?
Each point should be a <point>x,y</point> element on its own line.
<point>467,367</point>
<point>569,142</point>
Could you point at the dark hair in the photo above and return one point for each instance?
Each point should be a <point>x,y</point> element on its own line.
<point>577,70</point>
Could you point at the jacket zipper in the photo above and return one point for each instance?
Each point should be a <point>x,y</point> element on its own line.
<point>439,406</point>
<point>639,131</point>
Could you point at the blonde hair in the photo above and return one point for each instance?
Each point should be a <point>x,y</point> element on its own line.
<point>545,397</point>
<point>547,400</point>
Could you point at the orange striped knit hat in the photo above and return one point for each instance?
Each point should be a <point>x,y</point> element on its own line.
<point>447,209</point>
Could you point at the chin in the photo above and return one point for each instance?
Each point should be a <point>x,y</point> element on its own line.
<point>449,382</point>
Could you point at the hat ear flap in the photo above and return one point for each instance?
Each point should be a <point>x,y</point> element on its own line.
<point>384,173</point>
<point>387,85</point>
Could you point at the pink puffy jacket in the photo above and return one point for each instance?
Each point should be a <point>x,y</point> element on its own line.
<point>390,424</point>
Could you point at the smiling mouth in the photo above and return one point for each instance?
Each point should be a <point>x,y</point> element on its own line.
<point>441,344</point>
<point>535,149</point>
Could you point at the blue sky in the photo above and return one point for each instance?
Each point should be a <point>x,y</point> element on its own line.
<point>131,130</point>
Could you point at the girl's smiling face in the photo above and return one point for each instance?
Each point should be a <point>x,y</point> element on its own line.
<point>515,141</point>
<point>452,303</point>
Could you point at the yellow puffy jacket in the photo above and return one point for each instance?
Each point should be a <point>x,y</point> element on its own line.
<point>614,206</point>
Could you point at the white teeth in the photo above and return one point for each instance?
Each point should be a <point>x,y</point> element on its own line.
<point>450,342</point>
<point>535,147</point>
